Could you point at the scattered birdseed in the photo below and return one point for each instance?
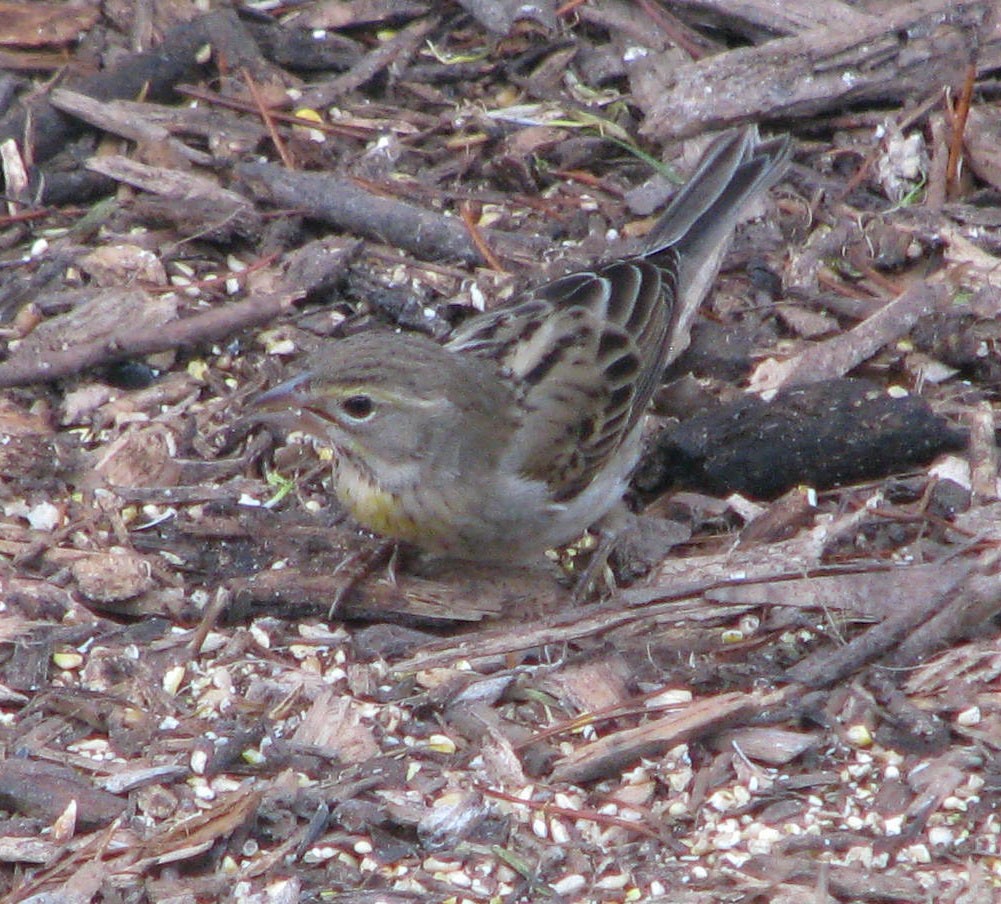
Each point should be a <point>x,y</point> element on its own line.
<point>441,743</point>
<point>198,761</point>
<point>941,836</point>
<point>859,736</point>
<point>612,882</point>
<point>172,679</point>
<point>67,659</point>
<point>569,885</point>
<point>968,717</point>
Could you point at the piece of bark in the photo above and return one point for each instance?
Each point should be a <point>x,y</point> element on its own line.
<point>983,455</point>
<point>906,726</point>
<point>863,595</point>
<point>594,685</point>
<point>846,883</point>
<point>677,594</point>
<point>402,45</point>
<point>821,434</point>
<point>40,24</point>
<point>111,266</point>
<point>499,16</point>
<point>612,752</point>
<point>782,519</point>
<point>772,746</point>
<point>335,724</point>
<point>30,663</point>
<point>755,17</point>
<point>190,837</point>
<point>982,143</point>
<point>119,574</point>
<point>292,43</point>
<point>201,205</point>
<point>974,603</point>
<point>838,355</point>
<point>355,14</point>
<point>915,48</point>
<point>27,847</point>
<point>481,725</point>
<point>227,133</point>
<point>122,120</point>
<point>132,777</point>
<point>45,790</point>
<point>343,204</point>
<point>463,593</point>
<point>96,322</point>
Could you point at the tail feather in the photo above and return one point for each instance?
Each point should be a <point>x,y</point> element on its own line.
<point>737,166</point>
<point>699,222</point>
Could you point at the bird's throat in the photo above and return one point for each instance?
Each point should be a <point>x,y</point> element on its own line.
<point>373,507</point>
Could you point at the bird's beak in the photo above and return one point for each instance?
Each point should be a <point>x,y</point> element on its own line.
<point>286,406</point>
<point>292,394</point>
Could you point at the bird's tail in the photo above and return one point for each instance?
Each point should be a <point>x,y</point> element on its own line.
<point>700,219</point>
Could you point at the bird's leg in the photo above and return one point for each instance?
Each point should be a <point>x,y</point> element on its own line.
<point>394,558</point>
<point>360,565</point>
<point>598,569</point>
<point>638,543</point>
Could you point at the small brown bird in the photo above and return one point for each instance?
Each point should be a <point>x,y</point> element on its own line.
<point>522,428</point>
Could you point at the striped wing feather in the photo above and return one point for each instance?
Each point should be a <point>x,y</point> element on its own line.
<point>585,351</point>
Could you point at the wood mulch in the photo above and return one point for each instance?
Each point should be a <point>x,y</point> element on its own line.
<point>793,692</point>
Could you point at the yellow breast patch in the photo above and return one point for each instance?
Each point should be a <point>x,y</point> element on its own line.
<point>375,508</point>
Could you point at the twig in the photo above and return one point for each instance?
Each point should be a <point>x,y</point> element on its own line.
<point>958,127</point>
<point>469,217</point>
<point>266,117</point>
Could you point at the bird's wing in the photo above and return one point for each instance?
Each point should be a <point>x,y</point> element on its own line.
<point>584,352</point>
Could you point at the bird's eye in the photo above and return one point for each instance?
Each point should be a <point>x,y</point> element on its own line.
<point>358,407</point>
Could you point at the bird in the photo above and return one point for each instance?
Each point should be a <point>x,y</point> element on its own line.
<point>520,429</point>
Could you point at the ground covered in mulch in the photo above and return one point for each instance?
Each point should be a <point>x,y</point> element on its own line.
<point>791,693</point>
